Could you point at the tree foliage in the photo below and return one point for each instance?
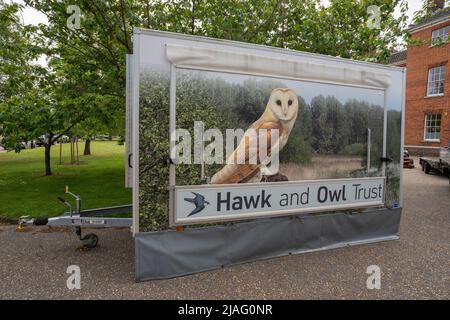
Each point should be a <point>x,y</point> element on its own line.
<point>45,102</point>
<point>17,51</point>
<point>98,48</point>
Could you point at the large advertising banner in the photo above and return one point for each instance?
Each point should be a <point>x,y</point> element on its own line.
<point>245,201</point>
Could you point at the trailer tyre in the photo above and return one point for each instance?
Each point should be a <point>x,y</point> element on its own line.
<point>427,168</point>
<point>90,240</point>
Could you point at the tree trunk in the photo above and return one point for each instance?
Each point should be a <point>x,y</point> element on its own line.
<point>87,147</point>
<point>193,18</point>
<point>48,171</point>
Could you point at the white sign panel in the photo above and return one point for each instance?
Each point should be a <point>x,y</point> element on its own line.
<point>211,203</point>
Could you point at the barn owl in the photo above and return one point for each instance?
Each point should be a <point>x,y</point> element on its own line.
<point>280,113</point>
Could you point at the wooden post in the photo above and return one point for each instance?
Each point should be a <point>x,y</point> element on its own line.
<point>76,141</point>
<point>71,150</point>
<point>60,152</point>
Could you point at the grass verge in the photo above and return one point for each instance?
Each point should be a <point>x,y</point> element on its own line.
<point>99,179</point>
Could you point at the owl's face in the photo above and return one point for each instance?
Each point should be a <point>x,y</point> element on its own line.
<point>283,103</point>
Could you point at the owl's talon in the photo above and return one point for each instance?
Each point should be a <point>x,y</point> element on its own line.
<point>274,178</point>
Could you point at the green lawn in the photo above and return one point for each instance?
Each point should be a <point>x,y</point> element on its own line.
<point>98,179</point>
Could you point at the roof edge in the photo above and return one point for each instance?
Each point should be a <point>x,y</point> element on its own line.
<point>431,21</point>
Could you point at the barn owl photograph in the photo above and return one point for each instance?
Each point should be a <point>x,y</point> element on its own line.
<point>280,114</point>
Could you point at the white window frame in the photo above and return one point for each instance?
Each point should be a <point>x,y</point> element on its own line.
<point>435,117</point>
<point>442,33</point>
<point>434,78</point>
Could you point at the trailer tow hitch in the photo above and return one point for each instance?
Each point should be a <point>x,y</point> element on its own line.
<point>77,218</point>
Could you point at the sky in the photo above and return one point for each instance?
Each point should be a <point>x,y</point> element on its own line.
<point>31,16</point>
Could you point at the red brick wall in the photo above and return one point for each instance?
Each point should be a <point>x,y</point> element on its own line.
<point>419,60</point>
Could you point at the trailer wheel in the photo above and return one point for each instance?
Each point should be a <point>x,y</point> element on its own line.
<point>90,240</point>
<point>427,168</point>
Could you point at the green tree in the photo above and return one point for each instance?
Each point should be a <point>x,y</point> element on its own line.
<point>93,56</point>
<point>320,132</point>
<point>37,115</point>
<point>25,113</point>
<point>341,28</point>
<point>17,51</point>
<point>38,103</point>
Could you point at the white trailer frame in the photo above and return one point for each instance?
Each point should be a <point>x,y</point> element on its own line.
<point>391,92</point>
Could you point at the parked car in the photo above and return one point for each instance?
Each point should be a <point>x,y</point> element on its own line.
<point>407,161</point>
<point>64,139</point>
<point>42,139</point>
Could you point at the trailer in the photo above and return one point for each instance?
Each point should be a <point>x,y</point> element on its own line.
<point>238,152</point>
<point>408,162</point>
<point>439,165</point>
<point>78,218</point>
<point>337,127</point>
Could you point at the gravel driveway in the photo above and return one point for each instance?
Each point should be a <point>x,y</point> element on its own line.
<point>33,264</point>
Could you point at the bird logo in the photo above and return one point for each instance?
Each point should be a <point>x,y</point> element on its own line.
<point>199,202</point>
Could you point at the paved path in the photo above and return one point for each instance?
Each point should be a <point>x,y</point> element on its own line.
<point>33,264</point>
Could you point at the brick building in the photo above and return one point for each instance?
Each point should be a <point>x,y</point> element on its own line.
<point>427,116</point>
